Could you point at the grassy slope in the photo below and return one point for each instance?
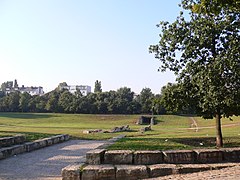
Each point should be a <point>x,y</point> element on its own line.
<point>171,132</point>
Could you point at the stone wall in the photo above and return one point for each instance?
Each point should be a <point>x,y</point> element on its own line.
<point>126,164</point>
<point>9,141</point>
<point>102,156</point>
<point>6,152</point>
<point>133,172</point>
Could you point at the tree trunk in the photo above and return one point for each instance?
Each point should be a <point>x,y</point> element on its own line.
<point>219,140</point>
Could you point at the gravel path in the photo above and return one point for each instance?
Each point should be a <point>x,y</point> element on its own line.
<point>46,163</point>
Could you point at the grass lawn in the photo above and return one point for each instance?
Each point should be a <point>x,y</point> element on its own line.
<point>171,132</point>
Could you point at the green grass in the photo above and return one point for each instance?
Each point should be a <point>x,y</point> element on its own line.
<point>171,132</point>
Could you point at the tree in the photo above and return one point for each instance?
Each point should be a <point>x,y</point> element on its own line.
<point>66,102</point>
<point>204,53</point>
<point>24,101</point>
<point>15,84</point>
<point>98,87</point>
<point>212,6</point>
<point>145,98</point>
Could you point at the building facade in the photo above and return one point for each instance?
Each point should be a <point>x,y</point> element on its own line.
<point>84,89</point>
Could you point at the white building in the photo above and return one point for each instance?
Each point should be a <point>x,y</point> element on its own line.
<point>30,90</point>
<point>84,89</point>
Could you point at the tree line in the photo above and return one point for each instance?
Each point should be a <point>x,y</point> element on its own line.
<point>121,101</point>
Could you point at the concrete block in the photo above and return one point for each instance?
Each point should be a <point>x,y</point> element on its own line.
<point>98,172</point>
<point>95,156</point>
<point>118,157</point>
<point>131,172</point>
<point>231,154</point>
<point>147,157</point>
<point>209,155</point>
<point>179,156</point>
<point>158,170</point>
<point>72,172</point>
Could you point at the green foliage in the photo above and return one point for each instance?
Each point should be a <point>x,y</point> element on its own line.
<point>208,66</point>
<point>204,53</point>
<point>211,6</point>
<point>98,87</point>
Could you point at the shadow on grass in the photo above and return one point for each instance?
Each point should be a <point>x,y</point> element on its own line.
<point>172,143</point>
<point>26,115</point>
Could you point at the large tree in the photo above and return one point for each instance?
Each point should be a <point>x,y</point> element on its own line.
<point>204,53</point>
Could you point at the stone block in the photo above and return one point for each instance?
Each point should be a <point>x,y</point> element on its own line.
<point>48,141</point>
<point>118,157</point>
<point>61,138</point>
<point>72,172</point>
<point>41,143</point>
<point>30,146</point>
<point>131,172</point>
<point>19,139</point>
<point>17,149</point>
<point>66,137</point>
<point>191,168</point>
<point>98,172</point>
<point>147,157</point>
<point>1,155</point>
<point>55,139</point>
<point>6,141</point>
<point>179,156</point>
<point>231,154</point>
<point>209,155</point>
<point>95,156</point>
<point>6,152</point>
<point>158,170</point>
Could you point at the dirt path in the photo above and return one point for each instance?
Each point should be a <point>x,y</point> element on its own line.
<point>194,124</point>
<point>46,163</point>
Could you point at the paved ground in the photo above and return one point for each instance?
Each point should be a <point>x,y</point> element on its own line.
<point>232,173</point>
<point>46,163</point>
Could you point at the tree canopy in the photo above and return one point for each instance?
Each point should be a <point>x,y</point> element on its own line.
<point>204,53</point>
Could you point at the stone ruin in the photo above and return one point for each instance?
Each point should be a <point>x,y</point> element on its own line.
<point>113,130</point>
<point>147,128</point>
<point>146,120</point>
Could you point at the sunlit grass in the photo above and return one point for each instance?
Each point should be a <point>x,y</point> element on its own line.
<point>170,132</point>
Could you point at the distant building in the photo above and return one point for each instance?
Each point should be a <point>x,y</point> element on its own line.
<point>84,89</point>
<point>32,90</point>
<point>8,87</point>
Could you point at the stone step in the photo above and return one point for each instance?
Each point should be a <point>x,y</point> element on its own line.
<point>134,172</point>
<point>30,146</point>
<point>10,141</point>
<point>198,156</point>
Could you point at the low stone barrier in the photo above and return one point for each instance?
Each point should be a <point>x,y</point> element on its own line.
<point>199,156</point>
<point>9,141</point>
<point>126,164</point>
<point>30,146</point>
<point>133,172</point>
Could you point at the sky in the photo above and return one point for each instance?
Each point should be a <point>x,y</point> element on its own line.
<point>46,42</point>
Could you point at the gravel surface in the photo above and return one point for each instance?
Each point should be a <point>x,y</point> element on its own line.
<point>46,163</point>
<point>232,173</point>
